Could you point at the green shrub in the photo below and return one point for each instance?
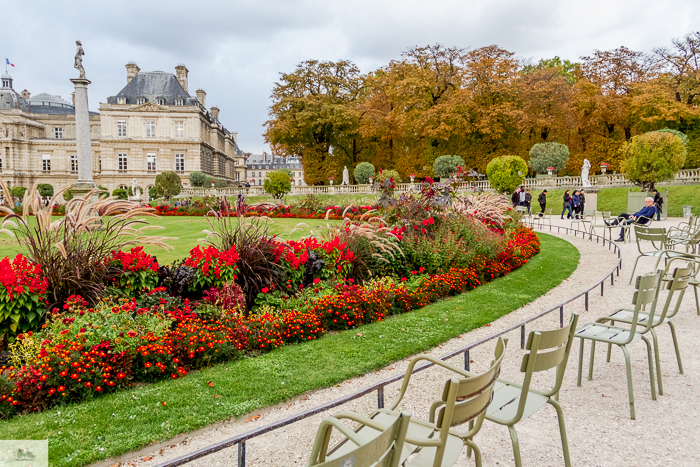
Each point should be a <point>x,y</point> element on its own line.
<point>446,166</point>
<point>277,184</point>
<point>652,158</point>
<point>506,173</point>
<point>168,184</point>
<point>681,135</point>
<point>18,191</point>
<point>152,193</point>
<point>119,193</point>
<point>544,155</point>
<point>387,174</point>
<point>199,179</point>
<point>362,172</point>
<point>45,189</point>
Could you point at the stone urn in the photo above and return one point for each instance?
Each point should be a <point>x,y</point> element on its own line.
<point>603,169</point>
<point>371,180</point>
<point>412,178</point>
<point>331,182</point>
<point>550,171</point>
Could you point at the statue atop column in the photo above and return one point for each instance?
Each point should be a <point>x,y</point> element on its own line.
<point>78,65</point>
<point>584,173</point>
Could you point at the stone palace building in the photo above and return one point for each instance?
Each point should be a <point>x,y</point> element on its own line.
<point>152,125</point>
<point>259,165</point>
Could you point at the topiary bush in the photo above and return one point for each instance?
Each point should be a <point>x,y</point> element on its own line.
<point>168,184</point>
<point>18,191</point>
<point>45,189</point>
<point>446,166</point>
<point>277,184</point>
<point>506,173</point>
<point>544,155</point>
<point>199,179</point>
<point>652,158</point>
<point>362,172</point>
<point>387,174</point>
<point>119,193</point>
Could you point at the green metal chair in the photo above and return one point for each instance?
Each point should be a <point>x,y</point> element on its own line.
<point>463,400</point>
<point>586,218</point>
<point>627,228</point>
<point>546,217</point>
<point>684,230</point>
<point>605,219</point>
<point>658,239</point>
<point>676,283</point>
<point>690,242</point>
<point>694,262</point>
<point>383,450</point>
<point>513,402</point>
<point>647,293</point>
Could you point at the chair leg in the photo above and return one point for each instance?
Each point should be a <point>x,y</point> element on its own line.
<point>471,446</point>
<point>629,381</point>
<point>633,269</point>
<point>651,368</point>
<point>675,344</point>
<point>562,432</point>
<point>697,303</point>
<point>580,362</point>
<point>658,361</point>
<point>590,367</point>
<point>516,446</point>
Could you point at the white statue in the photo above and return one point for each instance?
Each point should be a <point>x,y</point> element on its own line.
<point>78,65</point>
<point>346,176</point>
<point>584,173</point>
<point>135,188</point>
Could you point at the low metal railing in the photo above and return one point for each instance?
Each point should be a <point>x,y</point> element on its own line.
<point>241,439</point>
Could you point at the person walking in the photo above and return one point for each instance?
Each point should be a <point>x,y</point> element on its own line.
<point>575,201</point>
<point>641,217</point>
<point>581,202</point>
<point>528,201</point>
<point>567,205</point>
<point>658,201</point>
<point>522,196</point>
<point>542,199</point>
<point>515,197</point>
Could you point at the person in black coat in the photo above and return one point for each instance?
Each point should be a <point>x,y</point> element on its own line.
<point>581,202</point>
<point>542,199</point>
<point>567,205</point>
<point>658,201</point>
<point>528,201</point>
<point>515,197</point>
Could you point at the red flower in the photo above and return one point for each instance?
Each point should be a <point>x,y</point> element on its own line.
<point>265,290</point>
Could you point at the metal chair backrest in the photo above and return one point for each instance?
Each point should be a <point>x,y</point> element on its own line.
<point>680,279</point>
<point>382,451</point>
<point>653,235</point>
<point>646,293</point>
<point>557,344</point>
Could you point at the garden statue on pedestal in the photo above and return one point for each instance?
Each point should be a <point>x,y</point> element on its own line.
<point>135,190</point>
<point>346,176</point>
<point>584,173</point>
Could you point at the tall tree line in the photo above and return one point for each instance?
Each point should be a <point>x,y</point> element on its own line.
<point>482,103</point>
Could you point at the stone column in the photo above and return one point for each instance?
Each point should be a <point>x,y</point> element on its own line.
<point>82,138</point>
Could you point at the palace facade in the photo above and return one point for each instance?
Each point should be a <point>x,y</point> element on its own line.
<point>152,125</point>
<point>259,165</point>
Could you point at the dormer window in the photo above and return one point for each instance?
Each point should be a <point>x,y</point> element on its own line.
<point>179,102</point>
<point>160,101</point>
<point>121,100</point>
<point>140,100</point>
<point>58,133</point>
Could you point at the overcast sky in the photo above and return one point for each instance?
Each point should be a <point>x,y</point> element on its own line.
<point>236,49</point>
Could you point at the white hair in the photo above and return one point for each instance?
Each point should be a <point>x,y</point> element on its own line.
<point>648,198</point>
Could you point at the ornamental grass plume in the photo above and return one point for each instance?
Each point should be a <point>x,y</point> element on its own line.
<point>491,208</point>
<point>74,251</point>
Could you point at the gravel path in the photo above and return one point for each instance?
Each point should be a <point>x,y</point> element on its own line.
<point>597,415</point>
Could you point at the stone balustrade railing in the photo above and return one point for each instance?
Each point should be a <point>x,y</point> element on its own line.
<point>688,176</point>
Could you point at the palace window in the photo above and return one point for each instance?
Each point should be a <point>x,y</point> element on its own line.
<point>179,102</point>
<point>46,162</point>
<point>160,101</point>
<point>150,128</point>
<point>238,175</point>
<point>179,162</point>
<point>99,163</point>
<point>0,162</point>
<point>58,133</point>
<point>121,128</point>
<point>179,129</point>
<point>121,100</point>
<point>141,100</point>
<point>151,162</point>
<point>73,162</point>
<point>122,161</point>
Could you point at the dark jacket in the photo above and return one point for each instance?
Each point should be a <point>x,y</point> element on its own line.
<point>567,199</point>
<point>582,199</point>
<point>542,198</point>
<point>647,212</point>
<point>658,201</point>
<point>528,198</point>
<point>515,198</point>
<point>575,201</point>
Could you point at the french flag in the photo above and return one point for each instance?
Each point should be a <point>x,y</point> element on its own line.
<point>7,61</point>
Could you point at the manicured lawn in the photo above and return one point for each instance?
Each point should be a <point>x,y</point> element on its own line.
<point>186,231</point>
<point>115,424</point>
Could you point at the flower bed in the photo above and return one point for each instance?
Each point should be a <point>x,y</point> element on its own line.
<point>279,211</point>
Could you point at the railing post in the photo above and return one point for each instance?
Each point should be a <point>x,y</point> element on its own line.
<point>602,283</point>
<point>380,397</point>
<point>466,360</point>
<point>586,301</point>
<point>241,454</point>
<point>561,316</point>
<point>522,336</point>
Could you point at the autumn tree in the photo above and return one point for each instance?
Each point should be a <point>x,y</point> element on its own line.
<point>653,157</point>
<point>506,173</point>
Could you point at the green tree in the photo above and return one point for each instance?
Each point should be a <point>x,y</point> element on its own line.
<point>446,166</point>
<point>287,171</point>
<point>277,184</point>
<point>18,191</point>
<point>544,155</point>
<point>385,174</point>
<point>120,193</point>
<point>152,193</point>
<point>45,189</point>
<point>362,172</point>
<point>168,184</point>
<point>652,158</point>
<point>199,179</point>
<point>506,173</point>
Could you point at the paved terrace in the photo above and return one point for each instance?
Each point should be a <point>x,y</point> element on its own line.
<point>666,431</point>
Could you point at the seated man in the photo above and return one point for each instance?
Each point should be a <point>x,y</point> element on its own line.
<point>642,216</point>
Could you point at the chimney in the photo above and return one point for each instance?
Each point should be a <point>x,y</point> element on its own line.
<point>26,95</point>
<point>202,97</point>
<point>215,112</point>
<point>132,70</point>
<point>181,73</point>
